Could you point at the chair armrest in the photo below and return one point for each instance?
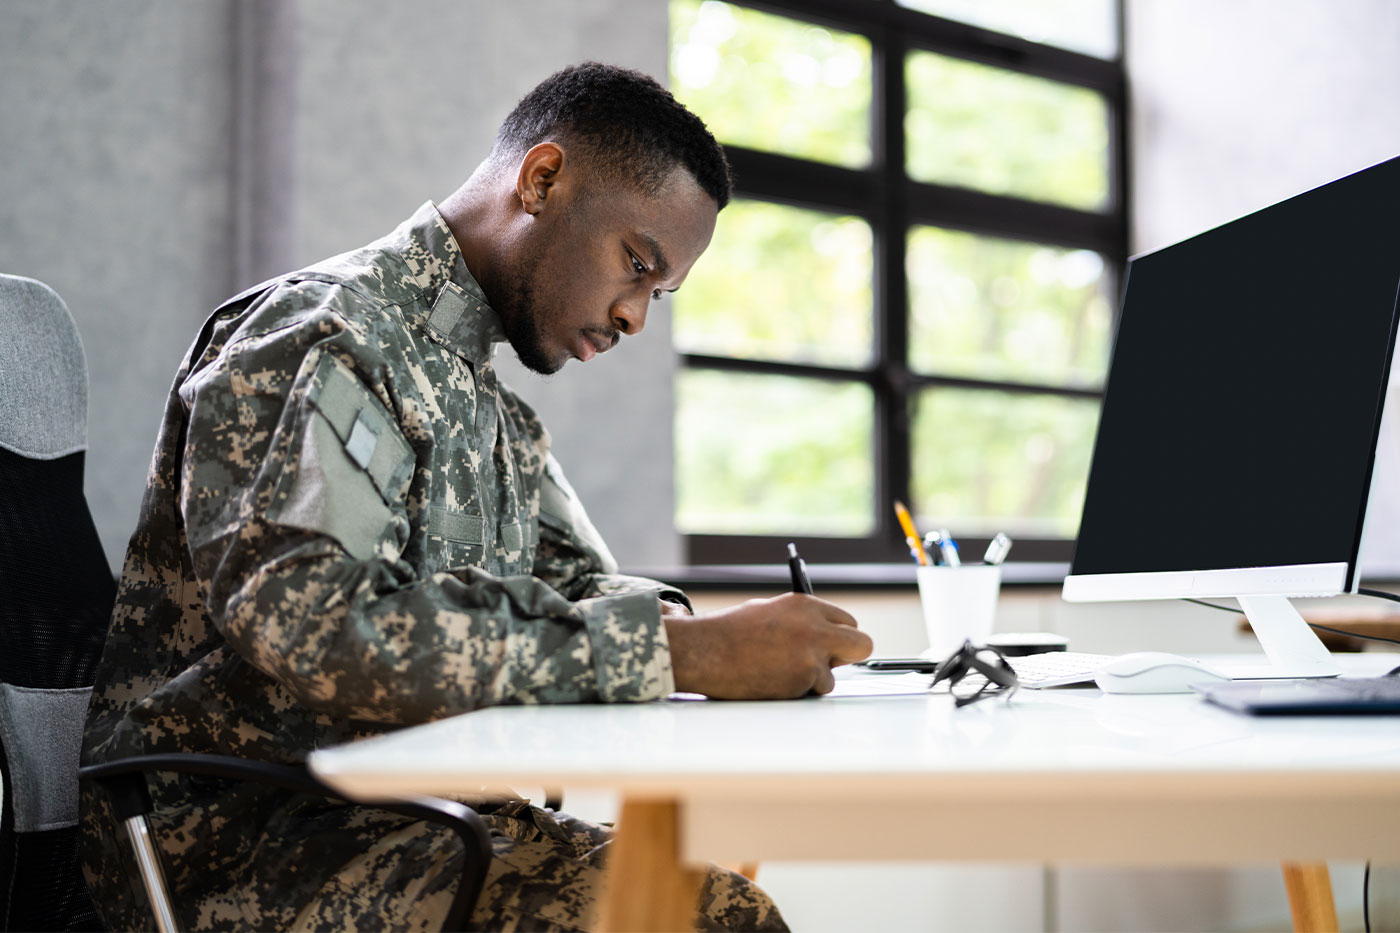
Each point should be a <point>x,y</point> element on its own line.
<point>124,782</point>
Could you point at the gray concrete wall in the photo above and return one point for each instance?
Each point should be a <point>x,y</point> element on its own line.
<point>116,185</point>
<point>398,109</point>
<point>158,155</point>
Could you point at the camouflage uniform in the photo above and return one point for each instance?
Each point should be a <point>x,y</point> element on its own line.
<point>349,526</point>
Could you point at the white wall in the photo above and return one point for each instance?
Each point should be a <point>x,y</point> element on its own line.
<point>1241,103</point>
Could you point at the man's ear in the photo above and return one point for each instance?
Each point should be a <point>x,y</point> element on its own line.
<point>539,171</point>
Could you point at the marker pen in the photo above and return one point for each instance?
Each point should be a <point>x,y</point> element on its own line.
<point>798,568</point>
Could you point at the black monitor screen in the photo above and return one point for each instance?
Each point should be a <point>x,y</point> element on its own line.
<point>1243,400</point>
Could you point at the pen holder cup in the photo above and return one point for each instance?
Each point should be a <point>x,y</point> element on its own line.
<point>960,604</point>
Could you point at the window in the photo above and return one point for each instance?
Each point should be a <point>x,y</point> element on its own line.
<point>911,295</point>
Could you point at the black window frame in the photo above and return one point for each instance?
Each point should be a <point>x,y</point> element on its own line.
<point>883,195</point>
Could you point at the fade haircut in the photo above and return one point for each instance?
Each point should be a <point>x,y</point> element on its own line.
<point>622,123</point>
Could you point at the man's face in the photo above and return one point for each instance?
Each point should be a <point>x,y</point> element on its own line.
<point>592,260</point>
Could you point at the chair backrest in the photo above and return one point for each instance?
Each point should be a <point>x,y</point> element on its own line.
<point>56,595</point>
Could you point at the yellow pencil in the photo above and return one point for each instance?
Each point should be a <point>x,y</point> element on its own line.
<point>916,544</point>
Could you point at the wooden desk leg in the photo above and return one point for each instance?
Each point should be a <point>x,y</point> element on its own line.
<point>648,889</point>
<point>1310,897</point>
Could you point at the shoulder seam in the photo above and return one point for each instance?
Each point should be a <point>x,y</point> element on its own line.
<point>377,302</point>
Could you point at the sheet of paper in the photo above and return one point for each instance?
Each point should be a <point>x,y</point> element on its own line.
<point>855,682</point>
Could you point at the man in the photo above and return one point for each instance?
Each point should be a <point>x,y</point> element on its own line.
<point>351,527</point>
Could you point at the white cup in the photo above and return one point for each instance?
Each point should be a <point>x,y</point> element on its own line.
<point>960,604</point>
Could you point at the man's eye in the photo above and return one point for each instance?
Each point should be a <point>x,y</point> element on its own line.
<point>637,266</point>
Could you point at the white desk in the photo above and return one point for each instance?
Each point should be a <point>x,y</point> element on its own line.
<point>1061,776</point>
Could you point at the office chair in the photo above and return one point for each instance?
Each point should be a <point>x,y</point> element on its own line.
<point>56,596</point>
<point>124,782</point>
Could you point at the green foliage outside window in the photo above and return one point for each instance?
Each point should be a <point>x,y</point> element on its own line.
<point>762,454</point>
<point>999,309</point>
<point>987,461</point>
<point>773,83</point>
<point>975,126</point>
<point>780,454</point>
<point>780,283</point>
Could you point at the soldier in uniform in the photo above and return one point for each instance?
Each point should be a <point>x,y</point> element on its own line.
<point>351,526</point>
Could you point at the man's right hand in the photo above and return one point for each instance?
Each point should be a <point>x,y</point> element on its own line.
<point>765,648</point>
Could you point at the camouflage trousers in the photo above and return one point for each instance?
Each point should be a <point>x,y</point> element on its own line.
<point>546,874</point>
<point>250,859</point>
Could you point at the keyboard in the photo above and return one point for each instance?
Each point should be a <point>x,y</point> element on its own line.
<point>1053,669</point>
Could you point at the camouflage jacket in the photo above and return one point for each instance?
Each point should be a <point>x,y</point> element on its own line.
<point>350,526</point>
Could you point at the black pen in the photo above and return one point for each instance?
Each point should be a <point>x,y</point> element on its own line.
<point>800,583</point>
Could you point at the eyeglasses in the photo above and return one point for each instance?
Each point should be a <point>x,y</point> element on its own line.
<point>998,678</point>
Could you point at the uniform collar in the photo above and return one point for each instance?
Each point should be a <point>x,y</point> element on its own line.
<point>460,317</point>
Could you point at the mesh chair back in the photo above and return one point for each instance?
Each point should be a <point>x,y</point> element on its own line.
<point>56,595</point>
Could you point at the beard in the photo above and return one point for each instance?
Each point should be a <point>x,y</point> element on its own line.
<point>521,318</point>
<point>523,332</point>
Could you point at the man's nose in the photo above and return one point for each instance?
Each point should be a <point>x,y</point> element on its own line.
<point>629,315</point>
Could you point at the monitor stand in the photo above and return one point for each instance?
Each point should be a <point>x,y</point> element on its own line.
<point>1293,648</point>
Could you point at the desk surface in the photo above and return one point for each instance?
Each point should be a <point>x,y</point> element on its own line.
<point>1074,774</point>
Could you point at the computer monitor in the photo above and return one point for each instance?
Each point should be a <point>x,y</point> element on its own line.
<point>1244,397</point>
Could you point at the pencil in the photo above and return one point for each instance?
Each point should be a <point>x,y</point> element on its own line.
<point>907,523</point>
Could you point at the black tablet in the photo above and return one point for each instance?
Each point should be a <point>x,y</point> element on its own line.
<point>1340,695</point>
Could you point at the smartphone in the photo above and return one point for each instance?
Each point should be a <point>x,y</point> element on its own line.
<point>917,665</point>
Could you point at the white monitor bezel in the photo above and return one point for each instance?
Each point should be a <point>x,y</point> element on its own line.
<point>1325,579</point>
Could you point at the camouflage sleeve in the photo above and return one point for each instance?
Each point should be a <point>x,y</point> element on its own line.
<point>572,556</point>
<point>269,490</point>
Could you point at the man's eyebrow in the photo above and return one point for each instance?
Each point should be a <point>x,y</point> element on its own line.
<point>660,264</point>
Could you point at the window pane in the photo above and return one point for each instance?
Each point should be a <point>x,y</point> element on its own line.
<point>975,126</point>
<point>773,455</point>
<point>989,461</point>
<point>1006,310</point>
<point>1088,26</point>
<point>780,283</point>
<point>773,83</point>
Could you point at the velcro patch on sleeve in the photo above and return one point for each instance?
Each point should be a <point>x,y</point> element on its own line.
<point>353,466</point>
<point>369,433</point>
<point>454,525</point>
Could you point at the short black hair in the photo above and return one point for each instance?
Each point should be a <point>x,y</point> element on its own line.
<point>624,121</point>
